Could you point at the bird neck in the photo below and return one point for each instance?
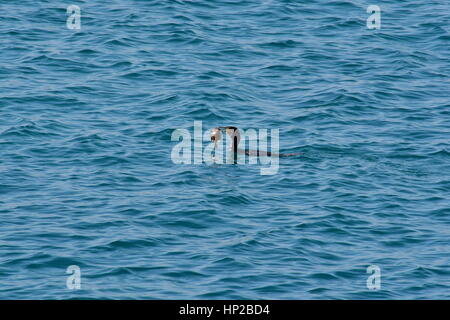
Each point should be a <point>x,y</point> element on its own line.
<point>235,139</point>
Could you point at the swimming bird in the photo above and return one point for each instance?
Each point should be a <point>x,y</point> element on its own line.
<point>235,136</point>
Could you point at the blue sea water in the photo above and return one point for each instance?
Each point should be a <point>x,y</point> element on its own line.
<point>86,176</point>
